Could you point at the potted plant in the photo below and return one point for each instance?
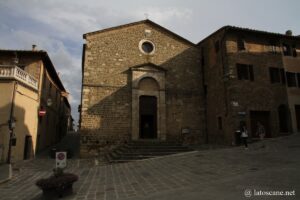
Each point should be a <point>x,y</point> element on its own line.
<point>57,185</point>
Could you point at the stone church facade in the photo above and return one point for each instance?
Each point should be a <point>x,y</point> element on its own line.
<point>140,81</point>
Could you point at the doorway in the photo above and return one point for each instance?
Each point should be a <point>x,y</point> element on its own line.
<point>283,115</point>
<point>28,148</point>
<point>148,117</point>
<point>264,118</point>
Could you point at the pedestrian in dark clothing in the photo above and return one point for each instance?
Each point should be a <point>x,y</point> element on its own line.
<point>244,135</point>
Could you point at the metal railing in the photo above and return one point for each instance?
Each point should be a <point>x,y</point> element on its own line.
<point>14,72</point>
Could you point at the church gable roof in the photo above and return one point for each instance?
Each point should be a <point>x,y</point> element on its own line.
<point>148,67</point>
<point>147,21</point>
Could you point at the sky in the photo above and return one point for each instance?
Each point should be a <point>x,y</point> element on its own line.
<point>57,26</point>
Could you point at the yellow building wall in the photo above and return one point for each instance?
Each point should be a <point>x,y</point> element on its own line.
<point>26,114</point>
<point>6,91</point>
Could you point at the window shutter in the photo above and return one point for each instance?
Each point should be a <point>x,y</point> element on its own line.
<point>271,75</point>
<point>239,71</point>
<point>282,74</point>
<point>251,74</point>
<point>291,79</point>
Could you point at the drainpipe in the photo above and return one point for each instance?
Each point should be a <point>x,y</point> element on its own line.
<point>225,73</point>
<point>205,99</point>
<point>11,119</point>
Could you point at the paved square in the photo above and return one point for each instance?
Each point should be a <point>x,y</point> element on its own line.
<point>210,174</point>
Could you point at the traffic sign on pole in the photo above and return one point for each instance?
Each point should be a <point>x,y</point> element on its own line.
<point>61,159</point>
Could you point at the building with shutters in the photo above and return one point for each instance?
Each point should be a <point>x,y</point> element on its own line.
<point>251,76</point>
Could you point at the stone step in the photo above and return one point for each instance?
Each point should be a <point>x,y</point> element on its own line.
<point>143,149</point>
<point>137,155</point>
<point>155,150</point>
<point>118,159</point>
<point>157,147</point>
<point>146,153</point>
<point>121,161</point>
<point>132,157</point>
<point>153,143</point>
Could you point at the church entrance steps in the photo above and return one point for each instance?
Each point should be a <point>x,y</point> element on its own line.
<point>144,149</point>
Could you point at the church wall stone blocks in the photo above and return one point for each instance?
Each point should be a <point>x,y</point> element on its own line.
<point>140,81</point>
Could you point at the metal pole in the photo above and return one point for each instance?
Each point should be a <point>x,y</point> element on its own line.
<point>9,147</point>
<point>10,123</point>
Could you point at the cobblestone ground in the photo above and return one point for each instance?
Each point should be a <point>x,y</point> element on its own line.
<point>209,174</point>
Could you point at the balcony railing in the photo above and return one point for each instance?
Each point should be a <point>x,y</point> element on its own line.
<point>14,72</point>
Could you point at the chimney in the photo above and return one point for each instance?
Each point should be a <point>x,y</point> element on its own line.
<point>33,47</point>
<point>289,33</point>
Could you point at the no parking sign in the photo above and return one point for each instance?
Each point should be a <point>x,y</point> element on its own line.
<point>61,159</point>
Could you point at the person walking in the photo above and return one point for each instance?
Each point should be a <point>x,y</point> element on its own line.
<point>261,132</point>
<point>244,135</point>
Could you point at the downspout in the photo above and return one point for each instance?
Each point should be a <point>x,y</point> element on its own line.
<point>82,80</point>
<point>41,86</point>
<point>226,74</point>
<point>205,97</point>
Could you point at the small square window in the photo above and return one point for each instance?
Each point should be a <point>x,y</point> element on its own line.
<point>245,72</point>
<point>291,79</point>
<point>274,75</point>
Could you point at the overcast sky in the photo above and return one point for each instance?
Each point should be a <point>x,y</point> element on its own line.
<point>57,26</point>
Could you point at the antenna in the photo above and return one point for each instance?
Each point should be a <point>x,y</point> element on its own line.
<point>146,15</point>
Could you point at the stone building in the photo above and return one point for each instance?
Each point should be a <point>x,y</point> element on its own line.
<point>251,76</point>
<point>29,84</point>
<point>142,81</point>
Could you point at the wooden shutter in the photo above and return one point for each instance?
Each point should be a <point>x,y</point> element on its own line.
<point>251,74</point>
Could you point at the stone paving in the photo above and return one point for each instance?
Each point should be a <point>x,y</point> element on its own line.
<point>210,174</point>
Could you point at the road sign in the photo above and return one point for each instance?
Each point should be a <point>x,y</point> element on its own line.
<point>42,113</point>
<point>61,159</point>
